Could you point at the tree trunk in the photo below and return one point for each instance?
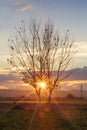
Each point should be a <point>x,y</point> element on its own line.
<point>39,96</point>
<point>39,99</point>
<point>38,91</point>
<point>50,97</point>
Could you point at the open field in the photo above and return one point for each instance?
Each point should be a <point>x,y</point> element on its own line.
<point>67,114</point>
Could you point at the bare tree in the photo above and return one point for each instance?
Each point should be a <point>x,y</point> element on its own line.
<point>41,54</point>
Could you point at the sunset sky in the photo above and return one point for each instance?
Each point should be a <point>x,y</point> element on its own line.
<point>66,14</point>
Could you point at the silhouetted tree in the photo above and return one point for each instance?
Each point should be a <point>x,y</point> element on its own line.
<point>41,54</point>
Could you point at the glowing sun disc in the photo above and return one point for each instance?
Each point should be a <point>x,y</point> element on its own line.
<point>42,84</point>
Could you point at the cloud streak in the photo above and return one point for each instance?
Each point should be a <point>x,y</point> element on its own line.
<point>3,87</point>
<point>81,49</point>
<point>19,2</point>
<point>25,8</point>
<point>11,81</point>
<point>5,70</point>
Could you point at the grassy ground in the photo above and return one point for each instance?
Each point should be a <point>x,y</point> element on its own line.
<point>70,115</point>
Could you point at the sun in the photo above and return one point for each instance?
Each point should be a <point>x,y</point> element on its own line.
<point>42,84</point>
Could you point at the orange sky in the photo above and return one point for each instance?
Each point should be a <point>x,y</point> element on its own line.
<point>10,80</point>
